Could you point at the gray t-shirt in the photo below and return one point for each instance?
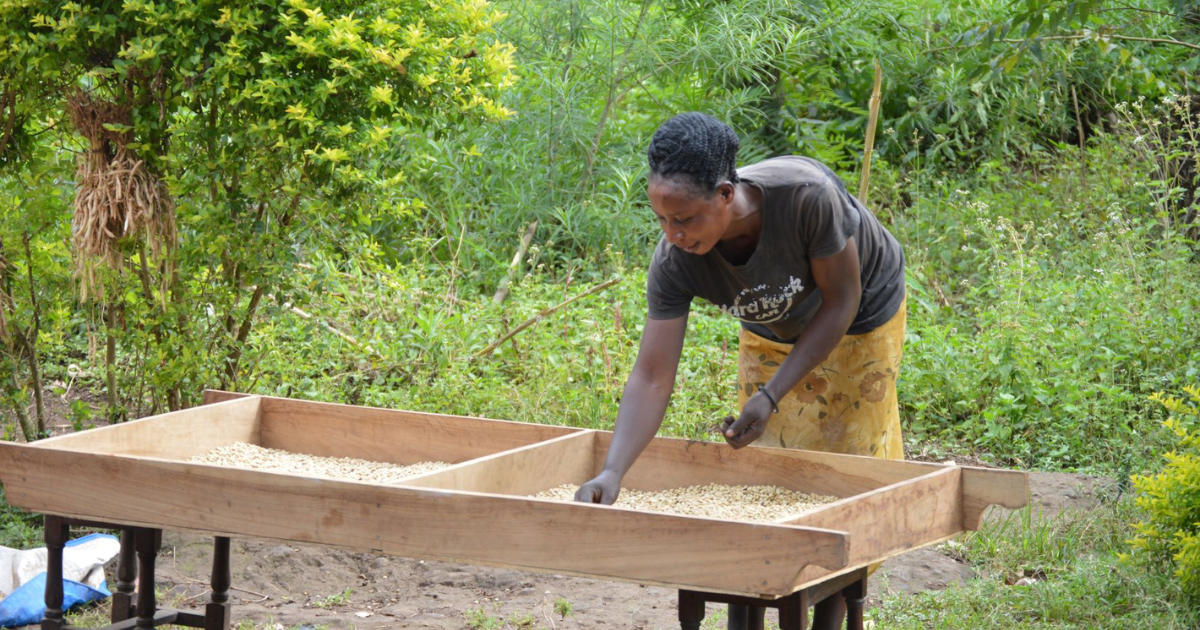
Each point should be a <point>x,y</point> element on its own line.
<point>807,214</point>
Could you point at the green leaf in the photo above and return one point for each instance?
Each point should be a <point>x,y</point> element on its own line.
<point>1055,19</point>
<point>1035,22</point>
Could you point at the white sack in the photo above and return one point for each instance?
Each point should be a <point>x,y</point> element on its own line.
<point>83,562</point>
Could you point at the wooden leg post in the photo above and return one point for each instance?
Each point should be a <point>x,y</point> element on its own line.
<point>748,613</point>
<point>216,613</point>
<point>122,598</point>
<point>56,532</point>
<point>793,612</point>
<point>691,610</point>
<point>856,595</point>
<point>746,617</point>
<point>134,610</point>
<point>147,541</point>
<point>756,618</point>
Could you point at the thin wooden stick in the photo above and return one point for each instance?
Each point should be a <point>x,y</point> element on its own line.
<point>1079,128</point>
<point>869,143</point>
<point>327,326</point>
<point>355,291</point>
<point>1129,38</point>
<point>545,312</point>
<point>1078,119</point>
<point>502,292</point>
<point>1173,42</point>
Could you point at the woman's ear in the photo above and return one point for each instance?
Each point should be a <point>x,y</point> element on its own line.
<point>726,191</point>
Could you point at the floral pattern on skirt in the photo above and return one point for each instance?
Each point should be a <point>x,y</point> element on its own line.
<point>847,404</point>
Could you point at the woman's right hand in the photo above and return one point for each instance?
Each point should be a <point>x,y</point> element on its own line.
<point>643,404</point>
<point>603,489</point>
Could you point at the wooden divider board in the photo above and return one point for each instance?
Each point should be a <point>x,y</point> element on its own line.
<point>472,512</point>
<point>175,435</point>
<point>891,520</point>
<point>388,435</point>
<point>672,463</point>
<point>521,472</point>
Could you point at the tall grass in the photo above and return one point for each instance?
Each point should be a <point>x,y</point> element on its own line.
<point>1052,299</point>
<point>1034,571</point>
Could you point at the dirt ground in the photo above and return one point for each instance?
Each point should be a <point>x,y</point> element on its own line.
<point>311,587</point>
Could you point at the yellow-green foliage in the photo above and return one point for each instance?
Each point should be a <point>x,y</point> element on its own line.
<point>327,83</point>
<point>1171,498</point>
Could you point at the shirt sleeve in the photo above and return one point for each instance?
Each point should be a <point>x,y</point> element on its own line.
<point>666,298</point>
<point>828,218</point>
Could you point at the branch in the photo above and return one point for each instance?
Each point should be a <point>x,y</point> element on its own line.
<point>502,291</point>
<point>1076,36</point>
<point>545,312</point>
<point>1138,9</point>
<point>1152,40</point>
<point>328,326</point>
<point>235,353</point>
<point>143,270</point>
<point>6,299</point>
<point>37,310</point>
<point>869,142</point>
<point>8,102</point>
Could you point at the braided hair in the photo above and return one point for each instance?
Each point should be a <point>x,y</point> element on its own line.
<point>694,149</point>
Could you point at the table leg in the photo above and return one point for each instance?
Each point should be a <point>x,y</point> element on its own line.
<point>122,598</point>
<point>743,617</point>
<point>756,618</point>
<point>216,613</point>
<point>793,612</point>
<point>856,595</point>
<point>56,532</point>
<point>691,610</point>
<point>147,541</point>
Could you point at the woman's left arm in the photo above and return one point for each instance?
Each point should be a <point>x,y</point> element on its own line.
<point>837,277</point>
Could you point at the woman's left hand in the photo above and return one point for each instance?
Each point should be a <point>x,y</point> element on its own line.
<point>752,422</point>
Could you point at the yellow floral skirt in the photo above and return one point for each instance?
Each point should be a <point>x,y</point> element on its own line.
<point>847,404</point>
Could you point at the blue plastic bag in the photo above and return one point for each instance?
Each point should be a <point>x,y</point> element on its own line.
<point>27,604</point>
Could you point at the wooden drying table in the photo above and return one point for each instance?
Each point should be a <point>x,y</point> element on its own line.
<point>479,510</point>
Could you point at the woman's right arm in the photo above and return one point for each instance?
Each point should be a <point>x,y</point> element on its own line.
<point>643,405</point>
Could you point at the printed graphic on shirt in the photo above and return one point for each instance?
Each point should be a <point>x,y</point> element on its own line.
<point>759,306</point>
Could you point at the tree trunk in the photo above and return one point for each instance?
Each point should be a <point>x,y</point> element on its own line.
<point>27,428</point>
<point>239,343</point>
<point>115,415</point>
<point>35,378</point>
<point>30,341</point>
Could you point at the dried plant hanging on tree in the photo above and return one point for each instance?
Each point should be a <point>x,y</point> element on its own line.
<point>117,196</point>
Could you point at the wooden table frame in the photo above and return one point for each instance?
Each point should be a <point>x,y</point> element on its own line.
<point>130,609</point>
<point>139,610</point>
<point>480,510</point>
<point>793,609</point>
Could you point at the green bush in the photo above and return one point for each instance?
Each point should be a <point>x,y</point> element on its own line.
<point>1072,578</point>
<point>1170,535</point>
<point>1047,302</point>
<point>18,529</point>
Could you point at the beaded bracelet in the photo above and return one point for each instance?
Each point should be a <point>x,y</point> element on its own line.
<point>774,405</point>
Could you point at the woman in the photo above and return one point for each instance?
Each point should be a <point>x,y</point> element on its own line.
<point>816,281</point>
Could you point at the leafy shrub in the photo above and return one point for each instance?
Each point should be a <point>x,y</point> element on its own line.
<point>268,127</point>
<point>1170,535</point>
<point>963,97</point>
<point>18,529</point>
<point>1048,301</point>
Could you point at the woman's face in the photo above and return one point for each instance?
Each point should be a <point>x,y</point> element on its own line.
<point>688,220</point>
